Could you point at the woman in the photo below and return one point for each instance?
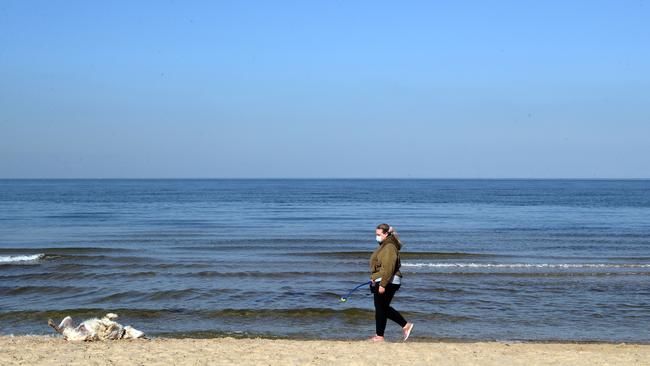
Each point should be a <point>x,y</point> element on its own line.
<point>386,280</point>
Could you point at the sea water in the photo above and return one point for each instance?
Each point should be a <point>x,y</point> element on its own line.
<point>565,260</point>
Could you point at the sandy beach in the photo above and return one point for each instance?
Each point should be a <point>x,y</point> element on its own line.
<point>41,350</point>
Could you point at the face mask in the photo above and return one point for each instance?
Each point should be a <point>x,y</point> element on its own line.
<point>378,238</point>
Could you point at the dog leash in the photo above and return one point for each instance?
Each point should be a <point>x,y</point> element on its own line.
<point>345,298</point>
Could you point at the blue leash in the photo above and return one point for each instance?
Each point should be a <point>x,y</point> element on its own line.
<point>345,298</point>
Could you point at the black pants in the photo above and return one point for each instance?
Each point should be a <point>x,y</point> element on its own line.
<point>383,310</point>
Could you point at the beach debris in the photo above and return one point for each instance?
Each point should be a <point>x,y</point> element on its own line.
<point>95,329</point>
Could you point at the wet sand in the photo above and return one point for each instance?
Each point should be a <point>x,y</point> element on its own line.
<point>42,350</point>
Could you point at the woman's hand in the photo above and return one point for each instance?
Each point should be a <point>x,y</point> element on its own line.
<point>381,290</point>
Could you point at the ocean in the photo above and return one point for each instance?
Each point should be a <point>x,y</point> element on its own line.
<point>543,260</point>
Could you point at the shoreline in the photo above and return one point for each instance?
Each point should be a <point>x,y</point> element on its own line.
<point>45,350</point>
<point>228,335</point>
<point>389,339</point>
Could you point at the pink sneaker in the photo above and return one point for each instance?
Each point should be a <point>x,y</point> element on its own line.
<point>407,330</point>
<point>377,339</point>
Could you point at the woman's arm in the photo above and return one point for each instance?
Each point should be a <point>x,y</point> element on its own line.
<point>388,258</point>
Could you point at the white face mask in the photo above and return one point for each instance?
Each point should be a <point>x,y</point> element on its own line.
<point>378,238</point>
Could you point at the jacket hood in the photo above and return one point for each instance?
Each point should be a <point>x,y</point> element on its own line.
<point>391,239</point>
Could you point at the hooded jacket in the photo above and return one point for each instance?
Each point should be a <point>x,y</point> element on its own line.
<point>385,261</point>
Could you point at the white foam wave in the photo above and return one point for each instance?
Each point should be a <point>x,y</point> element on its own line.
<point>20,258</point>
<point>526,265</point>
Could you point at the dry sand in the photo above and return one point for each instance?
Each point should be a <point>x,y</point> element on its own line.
<point>40,350</point>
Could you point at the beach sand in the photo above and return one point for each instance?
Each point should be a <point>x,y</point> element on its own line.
<point>42,350</point>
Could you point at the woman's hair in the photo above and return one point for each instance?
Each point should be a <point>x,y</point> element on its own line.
<point>385,228</point>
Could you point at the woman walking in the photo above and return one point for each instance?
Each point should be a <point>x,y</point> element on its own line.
<point>386,280</point>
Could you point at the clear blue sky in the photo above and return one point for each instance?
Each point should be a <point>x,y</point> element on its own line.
<point>325,89</point>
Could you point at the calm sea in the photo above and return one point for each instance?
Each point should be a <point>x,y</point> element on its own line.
<point>483,259</point>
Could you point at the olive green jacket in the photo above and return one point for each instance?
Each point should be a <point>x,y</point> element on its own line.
<point>385,262</point>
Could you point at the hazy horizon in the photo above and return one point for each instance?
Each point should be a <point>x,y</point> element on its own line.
<point>341,178</point>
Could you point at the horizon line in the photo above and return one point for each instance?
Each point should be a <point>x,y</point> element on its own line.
<point>325,178</point>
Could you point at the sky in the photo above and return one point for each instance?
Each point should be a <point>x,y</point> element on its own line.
<point>325,89</point>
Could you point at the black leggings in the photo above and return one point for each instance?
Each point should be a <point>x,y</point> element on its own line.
<point>383,310</point>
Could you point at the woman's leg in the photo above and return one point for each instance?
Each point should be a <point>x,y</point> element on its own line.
<point>391,313</point>
<point>395,316</point>
<point>384,311</point>
<point>381,313</point>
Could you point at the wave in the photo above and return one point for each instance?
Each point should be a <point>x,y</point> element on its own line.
<point>403,255</point>
<point>345,314</point>
<point>526,265</point>
<point>262,274</point>
<point>202,334</point>
<point>39,315</point>
<point>319,313</point>
<point>21,258</point>
<point>134,296</point>
<point>42,290</point>
<point>62,250</point>
<point>82,272</point>
<point>78,275</point>
<point>102,258</point>
<point>82,215</point>
<point>270,243</point>
<point>535,274</point>
<point>75,267</point>
<point>75,258</point>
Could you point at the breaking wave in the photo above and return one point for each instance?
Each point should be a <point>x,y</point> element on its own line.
<point>527,265</point>
<point>21,258</point>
